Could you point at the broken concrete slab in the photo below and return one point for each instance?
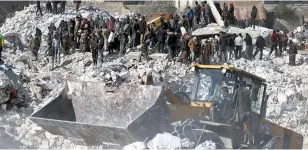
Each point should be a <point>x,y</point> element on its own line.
<point>164,141</point>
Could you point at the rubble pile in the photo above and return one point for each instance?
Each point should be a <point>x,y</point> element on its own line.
<point>287,85</point>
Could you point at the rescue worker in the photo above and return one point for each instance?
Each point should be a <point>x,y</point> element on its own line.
<point>241,99</point>
<point>48,6</point>
<point>274,41</point>
<point>206,52</point>
<point>185,23</point>
<point>260,44</point>
<point>38,8</point>
<point>253,15</point>
<point>292,53</point>
<point>1,46</point>
<point>193,48</point>
<point>171,43</point>
<point>231,46</point>
<point>223,41</point>
<point>214,44</point>
<point>142,28</point>
<point>62,6</point>
<point>161,38</point>
<point>197,13</point>
<point>85,41</point>
<point>249,50</point>
<point>190,17</point>
<point>231,13</point>
<point>77,5</point>
<point>124,41</point>
<point>65,42</point>
<point>54,7</point>
<point>144,50</point>
<point>56,53</point>
<point>238,46</point>
<point>34,46</point>
<point>280,42</point>
<point>94,47</point>
<point>105,35</point>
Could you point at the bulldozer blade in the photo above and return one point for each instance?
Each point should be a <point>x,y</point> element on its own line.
<point>87,111</point>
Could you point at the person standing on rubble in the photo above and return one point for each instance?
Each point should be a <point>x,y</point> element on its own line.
<point>161,38</point>
<point>48,7</point>
<point>260,44</point>
<point>225,12</point>
<point>206,52</point>
<point>280,42</point>
<point>54,7</point>
<point>142,28</point>
<point>249,50</point>
<point>171,43</point>
<point>223,41</point>
<point>185,23</point>
<point>94,47</point>
<point>34,46</point>
<point>292,53</point>
<point>253,16</point>
<point>105,35</point>
<point>285,41</point>
<point>231,13</point>
<point>38,8</point>
<point>77,5</point>
<point>1,46</point>
<point>190,17</point>
<point>65,40</point>
<point>85,41</point>
<point>193,48</point>
<point>197,13</point>
<point>238,46</point>
<point>62,6</point>
<point>274,40</point>
<point>231,46</point>
<point>56,53</point>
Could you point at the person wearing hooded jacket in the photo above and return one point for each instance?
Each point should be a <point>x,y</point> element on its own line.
<point>260,43</point>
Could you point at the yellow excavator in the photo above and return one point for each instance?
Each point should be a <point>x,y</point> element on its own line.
<point>215,103</point>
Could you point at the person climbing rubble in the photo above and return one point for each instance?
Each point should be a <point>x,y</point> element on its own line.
<point>260,44</point>
<point>1,46</point>
<point>193,48</point>
<point>144,50</point>
<point>223,41</point>
<point>292,53</point>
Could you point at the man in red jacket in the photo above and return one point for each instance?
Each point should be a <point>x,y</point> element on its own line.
<point>274,40</point>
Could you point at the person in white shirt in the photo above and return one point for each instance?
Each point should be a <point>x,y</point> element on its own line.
<point>238,46</point>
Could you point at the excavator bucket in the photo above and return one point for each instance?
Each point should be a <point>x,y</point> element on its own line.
<point>96,114</point>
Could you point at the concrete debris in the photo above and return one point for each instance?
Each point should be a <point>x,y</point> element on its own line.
<point>206,146</point>
<point>164,141</point>
<point>135,146</point>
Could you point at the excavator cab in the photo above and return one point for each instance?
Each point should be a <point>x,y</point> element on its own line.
<point>216,85</point>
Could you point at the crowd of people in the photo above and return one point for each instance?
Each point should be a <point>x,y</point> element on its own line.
<point>96,34</point>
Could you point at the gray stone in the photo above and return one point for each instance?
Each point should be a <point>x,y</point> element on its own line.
<point>157,56</point>
<point>99,114</point>
<point>165,141</point>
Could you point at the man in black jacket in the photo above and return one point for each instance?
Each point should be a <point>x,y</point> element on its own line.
<point>197,12</point>
<point>248,41</point>
<point>260,43</point>
<point>161,38</point>
<point>142,28</point>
